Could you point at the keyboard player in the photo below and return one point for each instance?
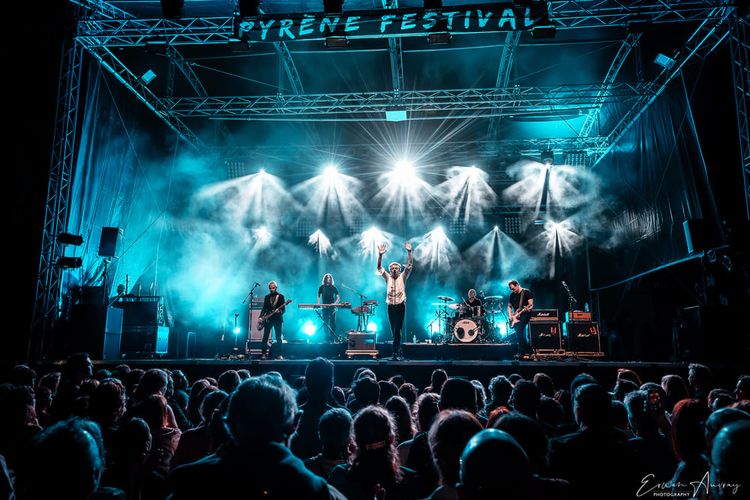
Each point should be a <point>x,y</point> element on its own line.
<point>329,294</point>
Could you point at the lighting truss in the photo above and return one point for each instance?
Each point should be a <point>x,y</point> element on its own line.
<point>740,44</point>
<point>516,101</point>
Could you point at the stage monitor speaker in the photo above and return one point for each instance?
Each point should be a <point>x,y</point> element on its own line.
<point>145,341</point>
<point>583,337</point>
<point>112,334</point>
<point>109,241</point>
<point>545,336</point>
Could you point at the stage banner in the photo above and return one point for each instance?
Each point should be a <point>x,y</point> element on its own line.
<point>394,22</point>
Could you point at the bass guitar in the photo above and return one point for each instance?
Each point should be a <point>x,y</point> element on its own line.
<point>264,319</point>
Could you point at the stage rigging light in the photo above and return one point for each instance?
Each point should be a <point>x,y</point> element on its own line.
<point>336,42</point>
<point>70,239</point>
<point>320,241</point>
<point>404,171</point>
<point>262,234</point>
<point>330,172</point>
<point>548,157</point>
<point>236,330</point>
<point>69,262</point>
<point>148,77</point>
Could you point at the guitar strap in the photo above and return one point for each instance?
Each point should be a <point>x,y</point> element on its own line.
<point>276,301</point>
<point>520,300</point>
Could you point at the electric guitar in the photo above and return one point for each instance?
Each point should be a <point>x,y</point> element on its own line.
<point>515,318</point>
<point>264,319</point>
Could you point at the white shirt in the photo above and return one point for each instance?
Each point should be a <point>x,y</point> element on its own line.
<point>395,288</point>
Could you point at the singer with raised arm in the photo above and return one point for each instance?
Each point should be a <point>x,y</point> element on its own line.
<point>272,316</point>
<point>329,294</point>
<point>519,313</point>
<point>395,283</point>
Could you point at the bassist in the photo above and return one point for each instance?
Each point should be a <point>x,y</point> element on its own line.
<point>273,311</point>
<point>519,312</point>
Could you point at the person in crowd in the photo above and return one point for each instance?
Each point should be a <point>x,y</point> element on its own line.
<point>78,368</point>
<point>165,436</point>
<point>720,398</point>
<point>415,453</point>
<point>399,410</point>
<point>545,384</point>
<point>448,437</point>
<point>437,379</point>
<point>606,451</point>
<point>387,390</point>
<point>500,390</point>
<point>305,442</point>
<point>627,374</point>
<point>529,434</point>
<point>481,398</point>
<point>651,427</point>
<point>24,375</point>
<point>525,398</point>
<point>676,389</point>
<point>255,463</point>
<point>64,461</point>
<point>181,386</point>
<point>198,442</point>
<point>335,433</point>
<point>720,419</point>
<point>200,389</point>
<point>730,463</point>
<point>620,418</point>
<point>338,397</point>
<point>409,392</point>
<point>106,406</point>
<point>742,389</point>
<point>366,392</point>
<point>701,381</point>
<point>688,440</point>
<point>228,381</point>
<point>550,415</point>
<point>493,466</point>
<point>622,388</point>
<point>18,423</point>
<point>127,468</point>
<point>375,470</point>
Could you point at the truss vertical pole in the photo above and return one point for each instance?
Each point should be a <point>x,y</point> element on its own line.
<point>740,48</point>
<point>62,163</point>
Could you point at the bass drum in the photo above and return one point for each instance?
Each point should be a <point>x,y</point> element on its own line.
<point>465,331</point>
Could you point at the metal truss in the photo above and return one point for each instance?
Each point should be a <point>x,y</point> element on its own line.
<point>503,73</point>
<point>395,53</point>
<point>476,149</point>
<point>709,35</point>
<point>48,284</point>
<point>112,64</point>
<point>482,102</point>
<point>177,61</point>
<point>740,46</point>
<point>117,31</point>
<point>289,68</point>
<point>614,69</point>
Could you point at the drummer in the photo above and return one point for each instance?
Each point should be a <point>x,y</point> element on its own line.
<point>474,306</point>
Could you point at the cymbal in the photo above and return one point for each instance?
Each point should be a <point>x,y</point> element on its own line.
<point>445,298</point>
<point>371,302</point>
<point>494,297</point>
<point>454,306</point>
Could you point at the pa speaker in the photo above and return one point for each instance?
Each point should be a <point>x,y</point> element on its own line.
<point>109,241</point>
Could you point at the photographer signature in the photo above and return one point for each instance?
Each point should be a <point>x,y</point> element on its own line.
<point>648,485</point>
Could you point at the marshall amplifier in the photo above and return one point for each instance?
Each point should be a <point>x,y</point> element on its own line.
<point>545,336</point>
<point>573,316</point>
<point>583,338</point>
<point>544,315</point>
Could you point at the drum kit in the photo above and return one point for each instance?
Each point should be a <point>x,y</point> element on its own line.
<point>458,322</point>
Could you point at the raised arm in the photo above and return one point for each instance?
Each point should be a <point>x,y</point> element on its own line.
<point>381,251</point>
<point>410,259</point>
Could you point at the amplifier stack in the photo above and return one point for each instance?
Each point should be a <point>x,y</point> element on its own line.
<point>544,331</point>
<point>582,334</point>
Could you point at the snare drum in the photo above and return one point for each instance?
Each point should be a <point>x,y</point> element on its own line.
<point>466,331</point>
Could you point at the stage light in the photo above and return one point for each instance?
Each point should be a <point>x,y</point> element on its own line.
<point>69,262</point>
<point>372,326</point>
<point>309,328</point>
<point>548,157</point>
<point>436,250</point>
<point>262,172</point>
<point>320,241</point>
<point>370,240</point>
<point>543,32</point>
<point>468,196</point>
<point>330,196</point>
<point>664,61</point>
<point>70,239</point>
<point>395,115</point>
<point>330,172</point>
<point>496,228</point>
<point>404,169</point>
<point>236,330</point>
<point>336,42</point>
<point>148,77</point>
<point>262,234</point>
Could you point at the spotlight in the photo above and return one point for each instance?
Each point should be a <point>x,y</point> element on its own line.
<point>249,8</point>
<point>543,32</point>
<point>148,77</point>
<point>548,157</point>
<point>70,239</point>
<point>664,61</point>
<point>496,228</point>
<point>330,171</point>
<point>395,115</point>
<point>262,172</point>
<point>236,330</point>
<point>69,262</point>
<point>441,38</point>
<point>372,326</point>
<point>309,328</point>
<point>336,42</point>
<point>262,234</point>
<point>172,9</point>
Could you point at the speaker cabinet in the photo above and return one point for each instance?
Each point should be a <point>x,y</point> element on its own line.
<point>583,337</point>
<point>109,241</point>
<point>545,336</point>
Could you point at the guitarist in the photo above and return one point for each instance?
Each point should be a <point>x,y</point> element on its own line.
<point>273,310</point>
<point>519,312</point>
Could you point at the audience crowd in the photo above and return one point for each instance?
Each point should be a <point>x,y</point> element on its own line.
<point>152,434</point>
